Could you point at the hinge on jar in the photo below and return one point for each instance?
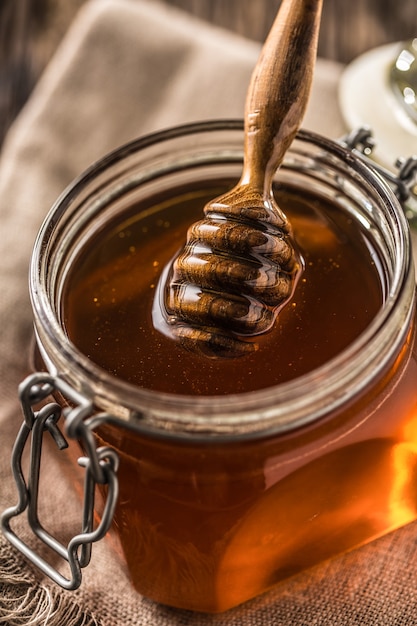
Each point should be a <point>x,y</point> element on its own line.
<point>100,465</point>
<point>403,182</point>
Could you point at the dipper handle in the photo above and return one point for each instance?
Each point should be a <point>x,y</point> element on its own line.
<point>279,90</point>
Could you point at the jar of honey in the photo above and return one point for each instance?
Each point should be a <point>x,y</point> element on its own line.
<point>223,476</point>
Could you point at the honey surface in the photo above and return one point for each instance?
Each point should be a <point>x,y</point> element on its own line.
<point>110,291</point>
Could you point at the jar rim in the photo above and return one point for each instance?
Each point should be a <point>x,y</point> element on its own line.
<point>272,409</point>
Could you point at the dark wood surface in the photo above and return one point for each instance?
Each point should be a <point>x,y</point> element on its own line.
<point>30,30</point>
<point>348,27</point>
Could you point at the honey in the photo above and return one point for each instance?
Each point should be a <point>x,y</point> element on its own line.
<point>111,292</point>
<point>234,473</point>
<point>207,527</point>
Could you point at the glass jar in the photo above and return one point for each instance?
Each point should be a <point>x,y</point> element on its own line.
<point>223,496</point>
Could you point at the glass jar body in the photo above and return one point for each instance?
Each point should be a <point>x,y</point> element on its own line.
<point>209,526</point>
<point>223,497</point>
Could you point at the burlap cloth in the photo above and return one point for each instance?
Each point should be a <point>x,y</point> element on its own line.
<point>126,68</point>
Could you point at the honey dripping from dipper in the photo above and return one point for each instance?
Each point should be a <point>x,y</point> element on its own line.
<point>239,266</point>
<point>230,280</point>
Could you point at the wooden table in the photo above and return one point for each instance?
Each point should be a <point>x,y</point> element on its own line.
<point>30,30</point>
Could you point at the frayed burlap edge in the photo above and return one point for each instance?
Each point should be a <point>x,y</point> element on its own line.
<point>26,602</point>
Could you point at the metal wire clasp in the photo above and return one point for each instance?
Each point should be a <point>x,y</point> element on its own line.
<point>100,465</point>
<point>403,182</point>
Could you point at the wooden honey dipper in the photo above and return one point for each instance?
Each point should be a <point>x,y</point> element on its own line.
<point>239,267</point>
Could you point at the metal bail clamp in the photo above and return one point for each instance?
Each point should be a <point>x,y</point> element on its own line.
<point>403,182</point>
<point>101,465</point>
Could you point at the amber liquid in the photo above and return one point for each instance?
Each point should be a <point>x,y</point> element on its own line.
<point>112,288</point>
<point>206,526</point>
